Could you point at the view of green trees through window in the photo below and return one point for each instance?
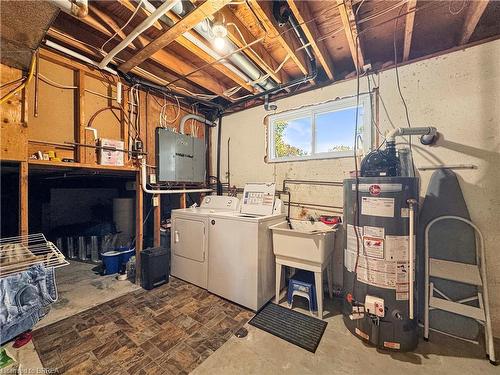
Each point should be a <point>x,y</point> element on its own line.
<point>333,132</point>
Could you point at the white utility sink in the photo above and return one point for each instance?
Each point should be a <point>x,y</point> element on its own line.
<point>309,242</point>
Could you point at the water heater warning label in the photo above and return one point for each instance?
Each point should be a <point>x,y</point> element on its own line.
<point>378,259</point>
<point>383,207</point>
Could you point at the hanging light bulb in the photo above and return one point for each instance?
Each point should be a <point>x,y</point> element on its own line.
<point>219,31</point>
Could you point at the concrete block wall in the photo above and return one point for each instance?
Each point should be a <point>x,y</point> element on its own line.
<point>457,92</point>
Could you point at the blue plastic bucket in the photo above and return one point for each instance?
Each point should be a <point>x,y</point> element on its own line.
<point>126,255</point>
<point>111,261</point>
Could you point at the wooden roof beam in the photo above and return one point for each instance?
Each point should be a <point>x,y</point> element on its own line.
<point>128,4</point>
<point>207,57</point>
<point>302,13</point>
<point>409,25</point>
<point>257,53</point>
<point>474,13</point>
<point>167,60</point>
<point>287,40</point>
<point>185,24</point>
<point>111,22</point>
<point>351,31</point>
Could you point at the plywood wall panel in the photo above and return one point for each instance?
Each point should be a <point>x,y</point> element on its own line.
<point>55,119</point>
<point>13,136</point>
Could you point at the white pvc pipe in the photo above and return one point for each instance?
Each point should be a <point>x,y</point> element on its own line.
<point>143,26</point>
<point>202,119</point>
<point>426,130</point>
<point>152,191</point>
<point>76,55</point>
<point>411,251</point>
<point>77,8</point>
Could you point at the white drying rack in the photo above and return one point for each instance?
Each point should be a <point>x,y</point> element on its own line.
<point>18,254</point>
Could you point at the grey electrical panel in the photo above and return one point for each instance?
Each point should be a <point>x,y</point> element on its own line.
<point>179,157</point>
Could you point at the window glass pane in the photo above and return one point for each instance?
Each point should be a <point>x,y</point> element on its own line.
<point>335,130</point>
<point>292,137</point>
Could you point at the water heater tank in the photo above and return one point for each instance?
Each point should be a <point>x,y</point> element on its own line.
<point>376,261</point>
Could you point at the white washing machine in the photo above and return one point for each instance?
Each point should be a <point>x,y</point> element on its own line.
<point>241,264</point>
<point>189,240</point>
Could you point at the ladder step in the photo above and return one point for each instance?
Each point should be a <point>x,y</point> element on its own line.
<point>455,271</point>
<point>457,308</point>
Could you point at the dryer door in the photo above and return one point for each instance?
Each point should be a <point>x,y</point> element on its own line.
<point>188,239</point>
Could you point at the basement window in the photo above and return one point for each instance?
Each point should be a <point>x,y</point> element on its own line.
<point>321,131</point>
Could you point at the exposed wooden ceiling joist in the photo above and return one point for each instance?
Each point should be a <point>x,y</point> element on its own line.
<point>409,25</point>
<point>287,40</point>
<point>128,4</point>
<point>474,13</point>
<point>206,57</point>
<point>166,59</point>
<point>302,13</point>
<point>111,22</point>
<point>351,31</point>
<point>257,53</point>
<point>185,24</point>
<point>96,25</point>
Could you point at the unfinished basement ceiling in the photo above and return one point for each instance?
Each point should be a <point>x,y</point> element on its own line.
<point>20,38</point>
<point>419,29</point>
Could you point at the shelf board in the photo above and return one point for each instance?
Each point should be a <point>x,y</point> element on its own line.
<point>61,164</point>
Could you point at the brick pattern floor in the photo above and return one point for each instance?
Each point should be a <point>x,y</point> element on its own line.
<point>168,330</point>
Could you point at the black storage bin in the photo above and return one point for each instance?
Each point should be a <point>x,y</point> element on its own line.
<point>155,267</point>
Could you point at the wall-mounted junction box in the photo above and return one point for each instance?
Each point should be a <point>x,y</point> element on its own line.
<point>179,158</point>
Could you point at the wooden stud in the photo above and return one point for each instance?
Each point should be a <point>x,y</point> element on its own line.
<point>257,53</point>
<point>351,31</point>
<point>139,234</point>
<point>80,116</point>
<point>185,24</point>
<point>302,13</point>
<point>474,13</point>
<point>409,25</point>
<point>287,41</point>
<point>23,198</point>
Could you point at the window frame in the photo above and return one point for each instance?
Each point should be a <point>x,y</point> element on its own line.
<point>317,109</point>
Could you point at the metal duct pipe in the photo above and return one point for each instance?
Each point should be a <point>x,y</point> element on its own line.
<point>238,58</point>
<point>77,8</point>
<point>202,119</point>
<point>144,25</point>
<point>245,68</point>
<point>312,75</point>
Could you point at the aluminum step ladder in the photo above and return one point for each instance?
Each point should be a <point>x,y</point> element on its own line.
<point>472,274</point>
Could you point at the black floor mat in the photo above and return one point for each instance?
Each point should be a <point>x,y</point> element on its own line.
<point>294,327</point>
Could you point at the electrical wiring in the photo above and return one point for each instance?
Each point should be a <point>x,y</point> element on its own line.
<point>24,82</point>
<point>121,28</point>
<point>399,87</point>
<point>11,83</point>
<point>55,84</point>
<point>381,13</point>
<point>456,12</point>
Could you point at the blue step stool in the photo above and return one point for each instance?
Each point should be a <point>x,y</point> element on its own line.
<point>302,284</point>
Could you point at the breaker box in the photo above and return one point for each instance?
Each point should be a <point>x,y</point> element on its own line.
<point>179,157</point>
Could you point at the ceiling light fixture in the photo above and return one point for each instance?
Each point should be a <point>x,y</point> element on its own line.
<point>219,31</point>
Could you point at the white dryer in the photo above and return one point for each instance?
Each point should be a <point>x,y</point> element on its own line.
<point>241,263</point>
<point>189,240</point>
